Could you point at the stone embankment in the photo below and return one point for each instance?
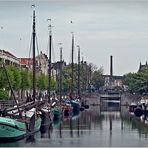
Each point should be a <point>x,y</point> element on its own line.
<point>92,99</point>
<point>127,98</point>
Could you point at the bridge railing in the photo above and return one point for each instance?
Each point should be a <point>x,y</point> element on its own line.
<point>110,96</point>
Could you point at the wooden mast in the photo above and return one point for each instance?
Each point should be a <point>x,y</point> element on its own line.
<point>78,71</point>
<point>72,66</point>
<point>49,62</point>
<point>60,75</point>
<point>34,62</point>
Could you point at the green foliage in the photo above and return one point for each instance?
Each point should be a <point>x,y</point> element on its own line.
<point>3,81</point>
<point>3,95</point>
<point>22,78</point>
<point>66,78</point>
<point>15,76</point>
<point>97,78</point>
<point>42,82</point>
<point>66,84</point>
<point>9,69</point>
<point>86,71</point>
<point>46,82</point>
<point>25,79</point>
<point>53,84</point>
<point>137,82</point>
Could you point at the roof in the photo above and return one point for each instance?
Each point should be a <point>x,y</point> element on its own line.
<point>6,53</point>
<point>143,66</point>
<point>115,77</point>
<point>26,61</point>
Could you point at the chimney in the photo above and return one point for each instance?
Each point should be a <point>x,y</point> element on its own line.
<point>111,65</point>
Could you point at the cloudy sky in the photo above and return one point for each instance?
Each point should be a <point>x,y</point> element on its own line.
<point>101,28</point>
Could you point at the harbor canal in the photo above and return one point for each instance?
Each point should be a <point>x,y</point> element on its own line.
<point>90,128</point>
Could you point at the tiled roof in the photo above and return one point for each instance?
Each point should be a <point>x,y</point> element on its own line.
<point>25,61</point>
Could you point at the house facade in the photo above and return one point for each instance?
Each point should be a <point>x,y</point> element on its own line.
<point>114,81</point>
<point>8,58</point>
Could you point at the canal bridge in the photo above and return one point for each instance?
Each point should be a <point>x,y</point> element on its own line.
<point>110,102</point>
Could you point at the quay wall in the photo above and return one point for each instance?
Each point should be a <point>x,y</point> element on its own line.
<point>93,99</point>
<point>126,99</point>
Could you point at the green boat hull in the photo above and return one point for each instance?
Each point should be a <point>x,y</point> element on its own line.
<point>11,129</point>
<point>56,111</point>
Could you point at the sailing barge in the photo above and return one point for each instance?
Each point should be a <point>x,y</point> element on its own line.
<point>21,120</point>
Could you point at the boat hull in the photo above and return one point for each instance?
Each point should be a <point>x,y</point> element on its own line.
<point>57,113</point>
<point>13,130</point>
<point>76,107</point>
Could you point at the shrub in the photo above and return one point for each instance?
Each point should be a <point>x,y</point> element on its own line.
<point>3,95</point>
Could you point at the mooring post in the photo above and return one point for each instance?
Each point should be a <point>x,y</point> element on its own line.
<point>110,122</point>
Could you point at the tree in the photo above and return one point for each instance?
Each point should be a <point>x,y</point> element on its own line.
<point>13,74</point>
<point>3,81</point>
<point>53,84</point>
<point>25,79</point>
<point>97,78</point>
<point>40,78</point>
<point>3,95</point>
<point>66,78</point>
<point>137,82</point>
<point>42,82</point>
<point>16,78</point>
<point>89,75</point>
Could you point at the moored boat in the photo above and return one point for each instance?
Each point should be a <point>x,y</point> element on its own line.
<point>132,107</point>
<point>21,121</point>
<point>67,109</point>
<point>18,128</point>
<point>76,106</point>
<point>57,112</point>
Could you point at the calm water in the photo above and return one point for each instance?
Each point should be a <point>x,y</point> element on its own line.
<point>91,128</point>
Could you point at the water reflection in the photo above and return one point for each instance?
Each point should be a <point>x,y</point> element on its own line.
<point>91,128</point>
<point>30,139</point>
<point>135,124</point>
<point>46,126</point>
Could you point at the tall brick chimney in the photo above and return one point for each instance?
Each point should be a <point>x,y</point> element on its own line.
<point>111,66</point>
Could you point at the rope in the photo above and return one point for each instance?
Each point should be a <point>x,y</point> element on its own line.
<point>38,53</point>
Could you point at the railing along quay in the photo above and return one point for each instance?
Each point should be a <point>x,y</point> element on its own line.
<point>6,103</point>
